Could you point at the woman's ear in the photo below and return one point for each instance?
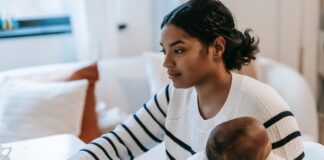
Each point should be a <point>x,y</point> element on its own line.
<point>219,46</point>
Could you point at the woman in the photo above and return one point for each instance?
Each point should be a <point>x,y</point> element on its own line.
<point>201,47</point>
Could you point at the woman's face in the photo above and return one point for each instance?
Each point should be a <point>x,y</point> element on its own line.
<point>187,60</point>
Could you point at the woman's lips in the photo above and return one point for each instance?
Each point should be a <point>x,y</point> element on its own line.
<point>173,74</point>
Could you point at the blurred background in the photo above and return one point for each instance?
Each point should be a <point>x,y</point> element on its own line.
<point>37,32</point>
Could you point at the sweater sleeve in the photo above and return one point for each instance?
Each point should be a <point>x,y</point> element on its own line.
<point>285,136</point>
<point>142,131</point>
<point>281,125</point>
<point>264,103</point>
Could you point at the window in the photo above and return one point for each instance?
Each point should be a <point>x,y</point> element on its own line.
<point>20,18</point>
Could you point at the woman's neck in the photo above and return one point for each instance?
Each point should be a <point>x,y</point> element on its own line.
<point>212,94</point>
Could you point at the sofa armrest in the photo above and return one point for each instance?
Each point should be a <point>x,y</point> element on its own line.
<point>295,90</point>
<point>313,151</point>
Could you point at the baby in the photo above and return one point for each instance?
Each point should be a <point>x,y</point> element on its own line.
<point>238,139</point>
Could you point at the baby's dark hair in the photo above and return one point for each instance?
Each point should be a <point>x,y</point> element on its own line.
<point>241,138</point>
<point>208,19</point>
<point>218,148</point>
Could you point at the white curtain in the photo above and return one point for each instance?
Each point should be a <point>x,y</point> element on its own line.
<point>95,29</point>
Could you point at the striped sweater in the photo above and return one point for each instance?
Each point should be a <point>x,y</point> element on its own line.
<point>172,116</point>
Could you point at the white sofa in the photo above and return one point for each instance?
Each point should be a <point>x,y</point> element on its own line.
<point>127,84</point>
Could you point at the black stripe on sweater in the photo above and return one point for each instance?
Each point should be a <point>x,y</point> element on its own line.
<point>102,149</point>
<point>91,153</point>
<point>169,155</point>
<point>140,145</point>
<point>167,93</point>
<point>277,118</point>
<point>285,140</point>
<point>301,156</point>
<point>169,134</point>
<point>158,106</point>
<point>146,130</point>
<point>122,142</point>
<point>147,110</point>
<point>179,142</point>
<point>112,144</point>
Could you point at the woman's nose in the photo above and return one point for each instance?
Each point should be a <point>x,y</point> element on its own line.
<point>168,61</point>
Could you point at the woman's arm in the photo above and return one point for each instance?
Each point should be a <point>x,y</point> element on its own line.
<point>285,136</point>
<point>265,104</point>
<point>141,132</point>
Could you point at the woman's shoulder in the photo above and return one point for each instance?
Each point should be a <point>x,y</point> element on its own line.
<point>249,83</point>
<point>252,88</point>
<point>261,98</point>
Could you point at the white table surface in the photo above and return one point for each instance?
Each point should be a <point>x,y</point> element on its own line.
<point>57,147</point>
<point>61,147</point>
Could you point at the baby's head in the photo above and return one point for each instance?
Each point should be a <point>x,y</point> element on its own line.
<point>238,139</point>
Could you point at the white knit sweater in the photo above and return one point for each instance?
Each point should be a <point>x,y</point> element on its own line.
<point>172,116</point>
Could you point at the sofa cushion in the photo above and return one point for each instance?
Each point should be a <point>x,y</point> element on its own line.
<point>157,74</point>
<point>123,83</point>
<point>30,109</point>
<point>68,72</point>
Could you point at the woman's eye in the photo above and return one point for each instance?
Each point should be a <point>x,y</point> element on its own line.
<point>163,51</point>
<point>178,51</point>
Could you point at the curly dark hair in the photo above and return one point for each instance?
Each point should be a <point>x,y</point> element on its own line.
<point>208,19</point>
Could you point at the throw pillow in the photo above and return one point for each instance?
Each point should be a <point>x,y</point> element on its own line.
<point>32,109</point>
<point>90,129</point>
<point>68,72</point>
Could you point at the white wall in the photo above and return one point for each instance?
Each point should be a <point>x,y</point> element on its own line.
<point>311,42</point>
<point>138,36</point>
<point>288,31</point>
<point>262,17</point>
<point>95,24</point>
<point>31,8</point>
<point>36,50</point>
<point>160,9</point>
<point>143,19</point>
<point>95,29</point>
<point>276,22</point>
<point>30,51</point>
